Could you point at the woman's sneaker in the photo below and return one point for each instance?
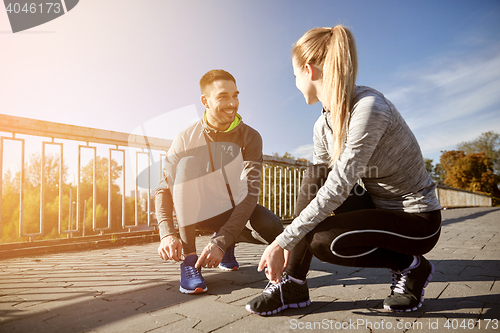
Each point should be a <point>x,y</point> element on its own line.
<point>229,262</point>
<point>191,280</point>
<point>278,297</point>
<point>408,286</point>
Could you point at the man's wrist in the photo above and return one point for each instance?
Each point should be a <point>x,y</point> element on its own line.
<point>165,229</point>
<point>173,235</point>
<point>217,246</point>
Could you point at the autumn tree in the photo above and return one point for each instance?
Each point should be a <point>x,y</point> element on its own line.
<point>472,172</point>
<point>487,143</point>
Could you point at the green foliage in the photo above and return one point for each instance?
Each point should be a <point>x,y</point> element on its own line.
<point>435,171</point>
<point>285,155</point>
<point>102,171</point>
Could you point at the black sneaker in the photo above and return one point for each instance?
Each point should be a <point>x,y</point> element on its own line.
<point>278,297</point>
<point>407,290</point>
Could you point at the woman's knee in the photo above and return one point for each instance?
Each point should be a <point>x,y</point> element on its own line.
<point>319,245</point>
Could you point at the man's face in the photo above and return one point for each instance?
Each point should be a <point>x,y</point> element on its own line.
<point>221,102</point>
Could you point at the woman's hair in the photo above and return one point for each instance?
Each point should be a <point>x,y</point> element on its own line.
<point>334,51</point>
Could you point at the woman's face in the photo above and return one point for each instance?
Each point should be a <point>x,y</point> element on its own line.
<point>303,81</point>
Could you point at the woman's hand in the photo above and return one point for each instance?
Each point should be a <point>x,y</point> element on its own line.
<point>274,259</point>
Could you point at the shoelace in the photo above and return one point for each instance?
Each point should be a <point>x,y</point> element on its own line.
<point>399,278</point>
<point>191,271</point>
<point>271,287</point>
<point>395,278</point>
<point>400,285</point>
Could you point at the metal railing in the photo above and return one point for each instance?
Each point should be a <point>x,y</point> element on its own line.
<point>280,183</point>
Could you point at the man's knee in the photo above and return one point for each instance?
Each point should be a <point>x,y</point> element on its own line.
<point>266,223</point>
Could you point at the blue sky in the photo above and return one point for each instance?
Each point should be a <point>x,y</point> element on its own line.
<point>117,64</point>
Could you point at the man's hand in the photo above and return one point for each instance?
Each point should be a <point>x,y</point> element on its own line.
<point>275,260</point>
<point>210,257</point>
<point>170,248</point>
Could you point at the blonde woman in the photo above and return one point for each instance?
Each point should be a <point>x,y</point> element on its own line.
<point>388,222</point>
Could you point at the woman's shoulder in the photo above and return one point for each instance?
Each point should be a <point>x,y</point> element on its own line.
<point>369,99</point>
<point>361,92</point>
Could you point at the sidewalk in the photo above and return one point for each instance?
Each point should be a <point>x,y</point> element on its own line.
<point>130,289</point>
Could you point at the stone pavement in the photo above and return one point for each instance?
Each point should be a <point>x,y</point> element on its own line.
<point>130,289</point>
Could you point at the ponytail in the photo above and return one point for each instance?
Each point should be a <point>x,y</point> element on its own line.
<point>334,50</point>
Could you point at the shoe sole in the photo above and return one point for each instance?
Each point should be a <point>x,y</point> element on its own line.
<point>228,269</point>
<point>429,278</point>
<point>198,290</point>
<point>281,308</point>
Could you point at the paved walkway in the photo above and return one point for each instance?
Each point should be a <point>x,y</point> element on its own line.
<point>129,289</point>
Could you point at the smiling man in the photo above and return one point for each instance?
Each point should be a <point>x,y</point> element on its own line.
<point>212,177</point>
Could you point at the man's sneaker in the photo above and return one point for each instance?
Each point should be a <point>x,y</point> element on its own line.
<point>407,290</point>
<point>278,297</point>
<point>191,280</point>
<point>229,262</point>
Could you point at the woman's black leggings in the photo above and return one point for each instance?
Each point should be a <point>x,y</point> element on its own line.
<point>359,235</point>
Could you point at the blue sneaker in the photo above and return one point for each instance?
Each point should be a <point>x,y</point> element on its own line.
<point>229,262</point>
<point>191,280</point>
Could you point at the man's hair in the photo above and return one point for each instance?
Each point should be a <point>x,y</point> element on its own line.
<point>211,76</point>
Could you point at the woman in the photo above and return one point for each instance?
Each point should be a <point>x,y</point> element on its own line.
<point>360,137</point>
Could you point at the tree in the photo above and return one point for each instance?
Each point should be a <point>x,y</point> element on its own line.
<point>436,172</point>
<point>11,187</point>
<point>472,172</point>
<point>488,143</point>
<point>102,171</point>
<point>9,226</point>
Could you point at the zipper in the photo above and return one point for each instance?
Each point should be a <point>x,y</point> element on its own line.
<point>207,139</point>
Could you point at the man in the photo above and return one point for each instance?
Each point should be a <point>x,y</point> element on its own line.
<point>212,176</point>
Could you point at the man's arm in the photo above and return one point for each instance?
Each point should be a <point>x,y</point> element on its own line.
<point>164,207</point>
<point>170,247</point>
